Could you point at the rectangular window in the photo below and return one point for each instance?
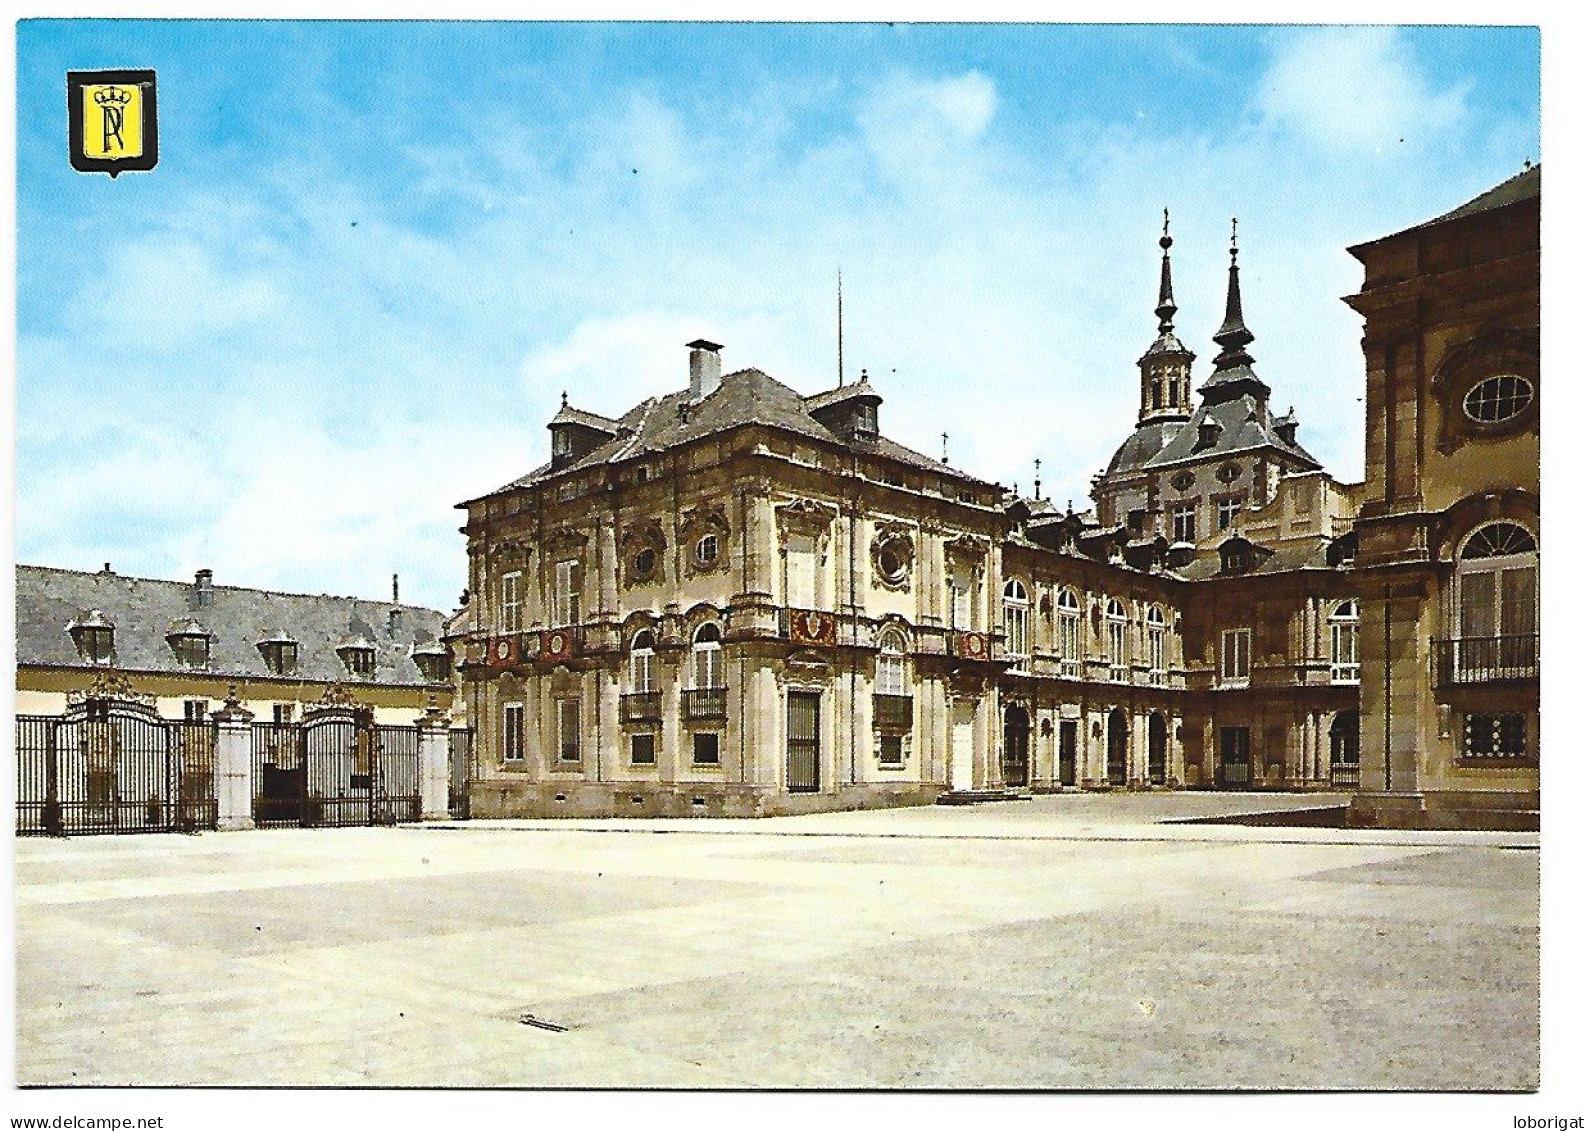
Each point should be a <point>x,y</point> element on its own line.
<point>1157,640</point>
<point>568,713</point>
<point>1182,517</point>
<point>644,679</point>
<point>514,736</point>
<point>1228,510</point>
<point>1495,736</point>
<point>567,592</point>
<point>706,749</point>
<point>1015,623</point>
<point>195,710</point>
<point>802,572</point>
<point>891,750</point>
<point>960,602</point>
<point>1345,661</point>
<point>642,749</point>
<point>509,620</point>
<point>282,713</point>
<point>708,667</point>
<point>892,675</point>
<point>1068,643</point>
<point>1235,667</point>
<point>1117,651</point>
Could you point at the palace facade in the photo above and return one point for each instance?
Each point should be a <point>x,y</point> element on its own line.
<point>736,598</point>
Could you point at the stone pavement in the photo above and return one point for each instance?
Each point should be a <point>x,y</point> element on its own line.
<point>1069,942</point>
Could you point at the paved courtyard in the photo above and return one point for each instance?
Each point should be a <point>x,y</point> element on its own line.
<point>1068,942</point>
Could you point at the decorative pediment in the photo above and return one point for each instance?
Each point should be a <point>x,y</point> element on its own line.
<point>704,519</point>
<point>804,516</point>
<point>968,548</point>
<point>804,667</point>
<point>566,538</point>
<point>509,550</point>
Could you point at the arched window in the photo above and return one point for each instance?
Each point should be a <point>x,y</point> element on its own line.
<point>1344,664</point>
<point>708,665</point>
<point>1497,605</point>
<point>1117,642</point>
<point>1068,632</point>
<point>1157,645</point>
<point>1015,622</point>
<point>644,675</point>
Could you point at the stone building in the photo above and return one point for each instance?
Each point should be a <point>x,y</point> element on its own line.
<point>1448,539</point>
<point>185,646</point>
<point>736,598</point>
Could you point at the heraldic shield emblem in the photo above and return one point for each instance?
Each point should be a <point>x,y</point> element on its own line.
<point>112,122</point>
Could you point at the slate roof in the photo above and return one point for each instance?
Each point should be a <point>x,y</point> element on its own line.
<point>144,610</point>
<point>1312,555</point>
<point>1523,186</point>
<point>1246,424</point>
<point>747,396</point>
<point>1143,443</point>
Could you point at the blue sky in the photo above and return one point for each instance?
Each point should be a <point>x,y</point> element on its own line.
<point>373,254</point>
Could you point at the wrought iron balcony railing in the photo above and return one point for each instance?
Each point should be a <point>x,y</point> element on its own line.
<point>703,703</point>
<point>1485,659</point>
<point>893,712</point>
<point>641,707</point>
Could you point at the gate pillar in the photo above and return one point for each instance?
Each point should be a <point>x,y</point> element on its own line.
<point>234,765</point>
<point>433,726</point>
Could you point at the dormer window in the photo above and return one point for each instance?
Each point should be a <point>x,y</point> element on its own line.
<point>281,653</point>
<point>866,421</point>
<point>563,446</point>
<point>1207,434</point>
<point>190,643</point>
<point>432,660</point>
<point>358,656</point>
<point>94,635</point>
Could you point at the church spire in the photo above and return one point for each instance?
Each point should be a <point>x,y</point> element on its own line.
<point>1165,305</point>
<point>1233,335</point>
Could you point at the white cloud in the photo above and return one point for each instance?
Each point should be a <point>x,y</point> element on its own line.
<point>924,133</point>
<point>163,292</point>
<point>1356,89</point>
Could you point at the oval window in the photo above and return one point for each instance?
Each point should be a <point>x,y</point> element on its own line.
<point>644,562</point>
<point>708,549</point>
<point>1497,399</point>
<point>890,565</point>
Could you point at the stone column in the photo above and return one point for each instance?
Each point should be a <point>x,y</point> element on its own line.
<point>434,762</point>
<point>233,765</point>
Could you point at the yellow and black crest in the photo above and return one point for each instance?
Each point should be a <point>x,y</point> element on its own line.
<point>112,120</point>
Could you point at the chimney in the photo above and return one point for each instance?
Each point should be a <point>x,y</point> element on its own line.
<point>704,366</point>
<point>395,589</point>
<point>202,590</point>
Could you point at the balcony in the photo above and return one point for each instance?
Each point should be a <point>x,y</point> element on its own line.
<point>1485,659</point>
<point>893,712</point>
<point>641,707</point>
<point>703,703</point>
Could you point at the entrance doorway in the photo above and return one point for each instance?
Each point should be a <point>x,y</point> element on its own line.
<point>1117,748</point>
<point>1157,751</point>
<point>1067,752</point>
<point>1234,762</point>
<point>1345,749</point>
<point>802,742</point>
<point>1015,747</point>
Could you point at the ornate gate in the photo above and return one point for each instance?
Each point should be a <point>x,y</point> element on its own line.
<point>114,766</point>
<point>336,768</point>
